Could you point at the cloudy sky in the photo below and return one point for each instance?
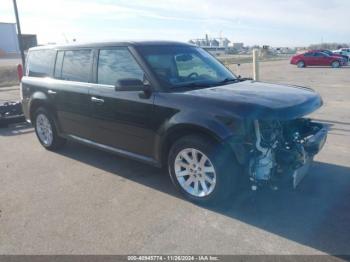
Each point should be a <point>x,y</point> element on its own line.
<point>271,22</point>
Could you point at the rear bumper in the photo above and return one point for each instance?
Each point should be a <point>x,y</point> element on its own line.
<point>25,108</point>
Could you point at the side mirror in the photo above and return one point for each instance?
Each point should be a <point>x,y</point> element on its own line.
<point>133,84</point>
<point>129,84</point>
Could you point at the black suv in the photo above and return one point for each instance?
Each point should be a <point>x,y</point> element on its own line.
<point>172,104</point>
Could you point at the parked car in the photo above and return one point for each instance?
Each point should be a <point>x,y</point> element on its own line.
<point>312,58</point>
<point>343,51</point>
<point>172,104</point>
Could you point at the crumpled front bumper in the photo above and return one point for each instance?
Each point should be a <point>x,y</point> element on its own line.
<point>312,146</point>
<point>314,143</point>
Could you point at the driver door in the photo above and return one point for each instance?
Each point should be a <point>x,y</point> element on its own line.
<point>320,59</point>
<point>121,119</point>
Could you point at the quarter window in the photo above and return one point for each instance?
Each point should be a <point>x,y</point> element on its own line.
<point>76,65</point>
<point>40,63</point>
<point>115,64</point>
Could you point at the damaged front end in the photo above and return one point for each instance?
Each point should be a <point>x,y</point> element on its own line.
<point>283,150</point>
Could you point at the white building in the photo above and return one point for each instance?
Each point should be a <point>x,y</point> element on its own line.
<point>8,39</point>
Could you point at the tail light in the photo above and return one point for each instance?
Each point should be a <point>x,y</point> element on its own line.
<point>19,72</point>
<point>20,75</point>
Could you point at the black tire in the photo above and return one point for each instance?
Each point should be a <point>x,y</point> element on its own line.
<point>335,64</point>
<point>57,141</point>
<point>226,168</point>
<point>301,64</point>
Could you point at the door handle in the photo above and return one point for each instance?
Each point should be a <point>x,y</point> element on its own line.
<point>97,100</point>
<point>51,92</point>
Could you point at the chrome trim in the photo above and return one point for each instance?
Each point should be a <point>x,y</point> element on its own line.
<point>117,151</point>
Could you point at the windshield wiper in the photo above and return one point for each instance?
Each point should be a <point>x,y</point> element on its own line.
<point>228,80</point>
<point>197,84</point>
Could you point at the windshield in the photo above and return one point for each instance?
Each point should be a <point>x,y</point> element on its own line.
<point>185,66</point>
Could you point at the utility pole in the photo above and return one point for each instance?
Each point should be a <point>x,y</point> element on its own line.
<point>255,65</point>
<point>19,34</point>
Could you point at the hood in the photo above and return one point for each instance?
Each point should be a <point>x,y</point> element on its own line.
<point>258,100</point>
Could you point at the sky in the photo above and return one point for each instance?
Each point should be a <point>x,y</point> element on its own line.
<point>262,22</point>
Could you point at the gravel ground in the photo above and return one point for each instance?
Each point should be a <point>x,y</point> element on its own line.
<point>83,201</point>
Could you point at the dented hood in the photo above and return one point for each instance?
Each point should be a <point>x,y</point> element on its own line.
<point>259,100</point>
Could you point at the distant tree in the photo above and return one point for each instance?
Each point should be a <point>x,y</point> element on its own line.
<point>330,46</point>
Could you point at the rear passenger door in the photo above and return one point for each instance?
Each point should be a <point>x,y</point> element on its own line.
<point>121,119</point>
<point>73,71</point>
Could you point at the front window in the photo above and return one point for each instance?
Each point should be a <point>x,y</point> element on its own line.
<point>321,54</point>
<point>115,64</point>
<point>185,66</point>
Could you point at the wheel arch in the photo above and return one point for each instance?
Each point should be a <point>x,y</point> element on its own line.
<point>40,99</point>
<point>181,130</point>
<point>301,60</point>
<point>336,60</point>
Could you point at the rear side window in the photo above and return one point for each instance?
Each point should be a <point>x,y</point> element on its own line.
<point>76,65</point>
<point>40,63</point>
<point>115,64</point>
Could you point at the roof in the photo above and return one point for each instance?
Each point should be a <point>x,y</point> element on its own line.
<point>117,43</point>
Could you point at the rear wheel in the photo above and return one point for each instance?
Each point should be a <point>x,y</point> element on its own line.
<point>335,64</point>
<point>301,64</point>
<point>45,130</point>
<point>202,170</point>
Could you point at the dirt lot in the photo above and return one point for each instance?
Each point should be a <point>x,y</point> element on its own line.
<point>8,71</point>
<point>83,201</point>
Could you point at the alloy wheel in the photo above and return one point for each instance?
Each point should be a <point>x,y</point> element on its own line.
<point>195,172</point>
<point>44,129</point>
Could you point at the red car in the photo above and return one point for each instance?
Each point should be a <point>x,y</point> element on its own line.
<point>316,58</point>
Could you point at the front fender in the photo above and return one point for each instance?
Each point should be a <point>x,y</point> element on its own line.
<point>223,130</point>
<point>208,124</point>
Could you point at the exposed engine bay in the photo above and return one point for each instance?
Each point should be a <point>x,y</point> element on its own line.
<point>283,147</point>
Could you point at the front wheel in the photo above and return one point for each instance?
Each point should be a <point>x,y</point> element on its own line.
<point>202,170</point>
<point>335,64</point>
<point>45,130</point>
<point>301,64</point>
